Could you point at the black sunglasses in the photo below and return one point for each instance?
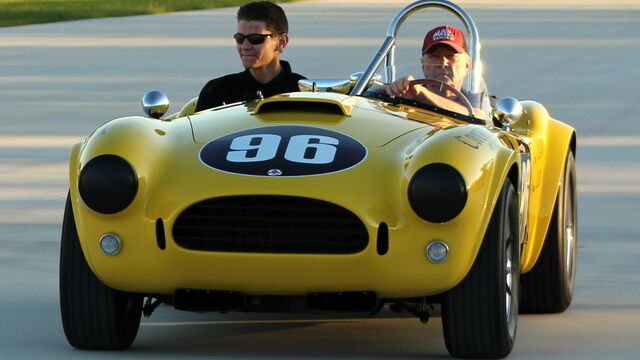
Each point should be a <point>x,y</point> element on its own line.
<point>254,39</point>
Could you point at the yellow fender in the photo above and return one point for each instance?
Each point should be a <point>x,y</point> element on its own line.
<point>549,141</point>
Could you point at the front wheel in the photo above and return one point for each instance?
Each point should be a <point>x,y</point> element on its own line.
<point>480,315</point>
<point>94,316</point>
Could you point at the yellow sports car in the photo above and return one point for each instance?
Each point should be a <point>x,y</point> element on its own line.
<point>336,198</point>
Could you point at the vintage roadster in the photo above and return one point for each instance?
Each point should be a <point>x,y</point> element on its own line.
<point>336,198</point>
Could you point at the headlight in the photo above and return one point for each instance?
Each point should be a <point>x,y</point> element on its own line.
<point>108,184</point>
<point>437,193</point>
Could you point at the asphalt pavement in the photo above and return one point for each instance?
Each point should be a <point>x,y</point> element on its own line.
<point>60,81</point>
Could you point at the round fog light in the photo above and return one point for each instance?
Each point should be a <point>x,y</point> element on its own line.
<point>437,252</point>
<point>110,244</point>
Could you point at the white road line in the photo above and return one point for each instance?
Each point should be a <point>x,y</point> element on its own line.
<point>102,42</point>
<point>39,141</point>
<point>44,141</point>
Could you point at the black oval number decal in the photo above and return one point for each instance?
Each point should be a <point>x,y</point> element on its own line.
<point>283,151</point>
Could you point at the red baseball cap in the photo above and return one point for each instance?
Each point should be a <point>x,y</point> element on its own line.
<point>447,35</point>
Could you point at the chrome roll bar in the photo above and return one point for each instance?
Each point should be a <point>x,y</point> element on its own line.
<point>387,50</point>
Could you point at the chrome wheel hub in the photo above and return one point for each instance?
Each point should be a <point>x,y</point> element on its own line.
<point>569,234</point>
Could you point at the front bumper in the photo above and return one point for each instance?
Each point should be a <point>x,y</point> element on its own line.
<point>400,269</point>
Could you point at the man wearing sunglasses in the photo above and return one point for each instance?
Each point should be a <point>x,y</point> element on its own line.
<point>444,58</point>
<point>260,39</point>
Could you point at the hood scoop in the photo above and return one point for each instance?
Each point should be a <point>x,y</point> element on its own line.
<point>325,103</point>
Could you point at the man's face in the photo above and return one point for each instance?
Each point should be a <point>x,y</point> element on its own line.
<point>444,63</point>
<point>259,55</point>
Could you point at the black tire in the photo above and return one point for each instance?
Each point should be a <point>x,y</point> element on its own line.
<point>480,315</point>
<point>94,316</point>
<point>548,288</point>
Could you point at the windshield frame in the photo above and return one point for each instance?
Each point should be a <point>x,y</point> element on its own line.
<point>386,52</point>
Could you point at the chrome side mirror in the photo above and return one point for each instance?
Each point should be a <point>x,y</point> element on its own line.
<point>155,104</point>
<point>340,86</point>
<point>376,78</point>
<point>375,84</point>
<point>508,111</point>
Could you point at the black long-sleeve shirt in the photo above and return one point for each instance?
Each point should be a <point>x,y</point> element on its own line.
<point>243,87</point>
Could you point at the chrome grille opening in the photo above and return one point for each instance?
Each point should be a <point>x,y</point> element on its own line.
<point>270,224</point>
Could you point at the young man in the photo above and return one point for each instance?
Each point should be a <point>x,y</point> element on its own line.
<point>444,58</point>
<point>262,36</point>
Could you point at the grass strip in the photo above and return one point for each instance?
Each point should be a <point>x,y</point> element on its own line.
<point>24,12</point>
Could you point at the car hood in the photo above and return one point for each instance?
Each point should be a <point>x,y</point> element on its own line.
<point>371,122</point>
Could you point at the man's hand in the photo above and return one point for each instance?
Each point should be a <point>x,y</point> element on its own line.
<point>420,93</point>
<point>401,88</point>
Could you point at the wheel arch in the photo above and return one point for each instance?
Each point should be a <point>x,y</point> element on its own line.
<point>558,139</point>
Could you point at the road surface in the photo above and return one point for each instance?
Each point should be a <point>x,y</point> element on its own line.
<point>60,81</point>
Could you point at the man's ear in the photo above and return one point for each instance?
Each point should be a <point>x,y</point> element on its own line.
<point>283,41</point>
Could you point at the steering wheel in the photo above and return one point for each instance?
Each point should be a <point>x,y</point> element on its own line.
<point>462,100</point>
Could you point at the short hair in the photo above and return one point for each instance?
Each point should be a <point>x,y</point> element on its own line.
<point>272,15</point>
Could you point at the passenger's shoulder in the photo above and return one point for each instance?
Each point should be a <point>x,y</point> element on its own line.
<point>224,80</point>
<point>297,76</point>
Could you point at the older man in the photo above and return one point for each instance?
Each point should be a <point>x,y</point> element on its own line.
<point>444,58</point>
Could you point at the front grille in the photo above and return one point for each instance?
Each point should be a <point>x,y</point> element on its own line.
<point>270,224</point>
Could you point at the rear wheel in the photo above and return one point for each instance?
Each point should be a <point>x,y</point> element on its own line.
<point>480,315</point>
<point>549,286</point>
<point>94,316</point>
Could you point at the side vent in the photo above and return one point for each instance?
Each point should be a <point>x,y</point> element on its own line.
<point>160,237</point>
<point>383,239</point>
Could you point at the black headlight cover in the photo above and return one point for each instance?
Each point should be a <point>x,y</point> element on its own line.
<point>437,193</point>
<point>108,184</point>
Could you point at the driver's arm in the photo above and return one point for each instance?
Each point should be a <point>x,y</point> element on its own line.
<point>429,97</point>
<point>420,93</point>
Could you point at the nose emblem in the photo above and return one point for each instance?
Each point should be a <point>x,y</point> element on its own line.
<point>274,172</point>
